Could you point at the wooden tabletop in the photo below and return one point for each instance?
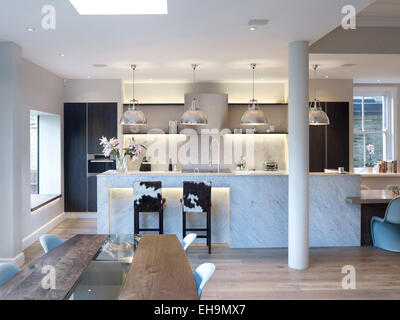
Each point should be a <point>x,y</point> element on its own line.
<point>69,260</point>
<point>373,197</point>
<point>160,271</point>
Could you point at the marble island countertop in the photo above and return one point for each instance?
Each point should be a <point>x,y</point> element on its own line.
<point>250,208</point>
<point>213,173</point>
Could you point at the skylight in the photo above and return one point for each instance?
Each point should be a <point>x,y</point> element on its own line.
<point>115,7</point>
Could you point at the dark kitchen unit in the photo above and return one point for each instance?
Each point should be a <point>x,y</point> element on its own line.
<point>84,125</point>
<point>329,145</point>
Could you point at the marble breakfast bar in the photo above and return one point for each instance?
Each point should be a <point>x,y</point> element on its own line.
<point>249,209</point>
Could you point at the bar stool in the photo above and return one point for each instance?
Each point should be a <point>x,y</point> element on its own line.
<point>147,198</point>
<point>197,198</point>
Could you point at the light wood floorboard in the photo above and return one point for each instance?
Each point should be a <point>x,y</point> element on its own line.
<point>264,274</point>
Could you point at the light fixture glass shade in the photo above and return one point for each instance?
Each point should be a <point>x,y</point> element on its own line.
<point>133,116</point>
<point>194,116</point>
<point>317,116</point>
<point>253,116</point>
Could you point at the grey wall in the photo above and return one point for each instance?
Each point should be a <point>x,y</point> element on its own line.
<point>24,86</point>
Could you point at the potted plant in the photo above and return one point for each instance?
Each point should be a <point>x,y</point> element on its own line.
<point>370,158</point>
<point>113,148</point>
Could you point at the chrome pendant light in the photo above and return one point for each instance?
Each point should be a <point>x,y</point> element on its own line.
<point>194,116</point>
<point>133,116</point>
<point>253,116</point>
<point>317,116</point>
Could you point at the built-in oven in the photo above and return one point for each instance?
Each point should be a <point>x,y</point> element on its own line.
<point>97,164</point>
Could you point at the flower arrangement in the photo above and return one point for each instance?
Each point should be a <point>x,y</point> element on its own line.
<point>371,156</point>
<point>113,148</point>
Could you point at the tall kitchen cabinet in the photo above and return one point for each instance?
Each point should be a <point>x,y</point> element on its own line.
<point>329,145</point>
<point>84,125</point>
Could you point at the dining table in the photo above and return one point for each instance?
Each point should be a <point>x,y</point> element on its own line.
<point>373,203</point>
<point>107,267</point>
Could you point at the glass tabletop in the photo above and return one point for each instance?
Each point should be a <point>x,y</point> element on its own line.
<point>106,273</point>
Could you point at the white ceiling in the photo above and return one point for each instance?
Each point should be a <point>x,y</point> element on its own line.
<point>368,68</point>
<point>212,33</point>
<point>382,8</point>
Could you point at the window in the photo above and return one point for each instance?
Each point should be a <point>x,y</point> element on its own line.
<point>373,125</point>
<point>45,158</point>
<point>34,136</point>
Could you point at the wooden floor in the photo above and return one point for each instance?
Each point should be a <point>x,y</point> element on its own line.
<point>263,273</point>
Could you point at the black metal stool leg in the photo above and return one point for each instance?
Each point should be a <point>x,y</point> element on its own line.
<point>136,222</point>
<point>183,223</point>
<point>161,220</point>
<point>209,230</point>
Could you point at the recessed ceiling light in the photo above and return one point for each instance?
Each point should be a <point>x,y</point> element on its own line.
<point>31,29</point>
<point>348,65</point>
<point>326,77</point>
<point>88,77</point>
<point>62,55</point>
<point>252,28</point>
<point>116,7</point>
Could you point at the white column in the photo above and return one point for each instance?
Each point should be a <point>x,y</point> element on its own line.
<point>298,155</point>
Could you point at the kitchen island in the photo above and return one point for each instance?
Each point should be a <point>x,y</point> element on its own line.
<point>249,208</point>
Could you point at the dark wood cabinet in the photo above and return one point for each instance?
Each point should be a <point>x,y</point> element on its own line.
<point>329,145</point>
<point>75,157</point>
<point>84,125</point>
<point>92,193</point>
<point>102,120</point>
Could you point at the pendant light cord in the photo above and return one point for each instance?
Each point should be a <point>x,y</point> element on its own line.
<point>315,66</point>
<point>253,82</point>
<point>194,67</point>
<point>133,66</point>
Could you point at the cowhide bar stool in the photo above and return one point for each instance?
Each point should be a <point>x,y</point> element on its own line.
<point>197,198</point>
<point>147,198</point>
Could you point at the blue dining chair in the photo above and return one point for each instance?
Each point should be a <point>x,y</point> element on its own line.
<point>188,240</point>
<point>386,232</point>
<point>7,271</point>
<point>49,242</point>
<point>201,276</point>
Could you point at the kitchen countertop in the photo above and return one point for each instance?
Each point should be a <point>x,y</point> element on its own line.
<point>222,173</point>
<point>372,197</point>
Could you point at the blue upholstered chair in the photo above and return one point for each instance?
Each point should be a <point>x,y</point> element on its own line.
<point>201,276</point>
<point>386,232</point>
<point>49,242</point>
<point>7,271</point>
<point>188,240</point>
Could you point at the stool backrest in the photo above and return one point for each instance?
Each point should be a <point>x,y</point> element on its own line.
<point>196,196</point>
<point>147,196</point>
<point>392,214</point>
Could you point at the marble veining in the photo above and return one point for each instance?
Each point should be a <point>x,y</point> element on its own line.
<point>252,212</point>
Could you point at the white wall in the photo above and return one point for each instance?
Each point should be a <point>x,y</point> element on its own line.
<point>23,86</point>
<point>10,162</point>
<point>41,91</point>
<point>175,92</point>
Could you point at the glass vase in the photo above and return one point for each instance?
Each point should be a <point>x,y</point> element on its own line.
<point>122,166</point>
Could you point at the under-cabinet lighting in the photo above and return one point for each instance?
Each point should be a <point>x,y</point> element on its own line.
<point>116,7</point>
